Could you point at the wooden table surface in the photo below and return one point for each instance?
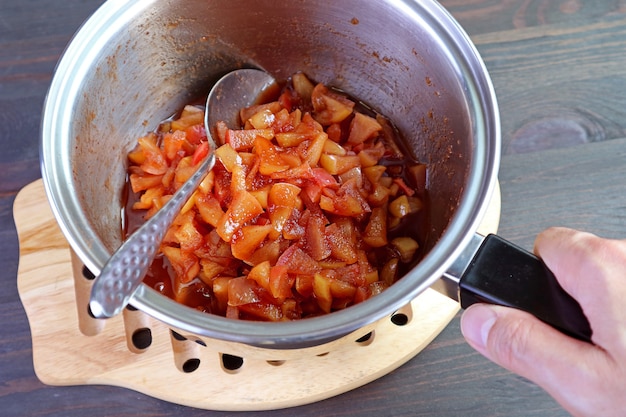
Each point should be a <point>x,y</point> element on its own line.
<point>559,69</point>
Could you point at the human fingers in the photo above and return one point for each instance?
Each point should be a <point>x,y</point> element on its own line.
<point>591,270</point>
<point>571,371</point>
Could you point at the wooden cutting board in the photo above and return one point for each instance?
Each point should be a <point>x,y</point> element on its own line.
<point>69,349</point>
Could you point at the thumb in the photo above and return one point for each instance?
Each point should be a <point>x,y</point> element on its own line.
<point>528,347</point>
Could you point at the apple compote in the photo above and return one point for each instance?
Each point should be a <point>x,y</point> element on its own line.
<point>311,207</point>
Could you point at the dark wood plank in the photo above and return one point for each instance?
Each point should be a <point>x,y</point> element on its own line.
<point>580,187</point>
<point>561,85</point>
<point>558,70</point>
<point>33,34</point>
<point>448,378</point>
<point>486,16</point>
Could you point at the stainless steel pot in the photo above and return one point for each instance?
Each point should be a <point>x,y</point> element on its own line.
<point>134,63</point>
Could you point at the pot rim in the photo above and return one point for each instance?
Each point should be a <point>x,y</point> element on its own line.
<point>482,179</point>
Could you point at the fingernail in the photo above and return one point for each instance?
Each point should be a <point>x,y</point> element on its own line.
<point>476,323</point>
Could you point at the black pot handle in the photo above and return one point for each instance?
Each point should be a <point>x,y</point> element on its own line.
<point>504,274</point>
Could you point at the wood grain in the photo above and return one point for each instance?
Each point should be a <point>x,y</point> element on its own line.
<point>64,354</point>
<point>558,70</point>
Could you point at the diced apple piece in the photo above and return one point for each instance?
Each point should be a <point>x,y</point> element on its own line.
<point>336,164</point>
<point>184,170</point>
<point>189,238</point>
<point>228,156</point>
<point>375,233</point>
<point>374,173</point>
<point>379,195</point>
<point>418,173</point>
<point>278,215</point>
<point>262,195</point>
<point>243,208</point>
<point>342,289</point>
<point>147,199</point>
<point>285,194</point>
<point>290,139</point>
<point>330,107</point>
<point>298,261</point>
<point>389,272</point>
<point>209,209</point>
<point>206,185</point>
<point>191,115</point>
<point>303,86</point>
<point>263,311</point>
<point>326,204</point>
<point>238,180</point>
<point>137,156</point>
<point>144,182</point>
<point>173,143</point>
<point>406,247</point>
<point>341,244</point>
<point>405,205</point>
<point>362,128</point>
<point>314,151</point>
<point>349,201</point>
<point>315,236</point>
<point>334,132</point>
<point>244,139</point>
<point>333,148</point>
<point>245,243</point>
<point>155,162</point>
<point>262,119</point>
<point>261,274</point>
<point>185,264</point>
<point>353,174</point>
<point>304,285</point>
<point>324,179</point>
<point>248,112</point>
<point>242,290</point>
<point>269,251</point>
<point>321,289</point>
<point>280,282</point>
<point>272,161</point>
<point>220,292</point>
<point>210,270</point>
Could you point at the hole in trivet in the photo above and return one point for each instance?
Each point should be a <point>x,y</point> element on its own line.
<point>323,354</point>
<point>231,363</point>
<point>191,365</point>
<point>402,316</point>
<point>178,336</point>
<point>89,312</point>
<point>88,274</point>
<point>276,363</point>
<point>400,319</point>
<point>142,338</point>
<point>200,342</point>
<point>366,340</point>
<point>131,308</point>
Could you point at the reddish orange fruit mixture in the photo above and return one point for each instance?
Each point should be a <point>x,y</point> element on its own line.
<point>310,208</point>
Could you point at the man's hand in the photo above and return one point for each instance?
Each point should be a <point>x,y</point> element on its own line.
<point>586,379</point>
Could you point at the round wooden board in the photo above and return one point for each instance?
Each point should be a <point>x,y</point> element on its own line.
<point>63,355</point>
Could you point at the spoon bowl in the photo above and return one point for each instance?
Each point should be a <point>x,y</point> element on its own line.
<point>114,287</point>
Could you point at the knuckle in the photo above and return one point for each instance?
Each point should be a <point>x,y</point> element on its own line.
<point>509,341</point>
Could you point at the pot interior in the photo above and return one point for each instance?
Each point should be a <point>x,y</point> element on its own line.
<point>134,64</point>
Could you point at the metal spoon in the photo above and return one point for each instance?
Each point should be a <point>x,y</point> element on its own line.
<point>114,287</point>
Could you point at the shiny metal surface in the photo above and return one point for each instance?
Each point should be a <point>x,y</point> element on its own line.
<point>125,270</point>
<point>134,64</point>
<point>448,285</point>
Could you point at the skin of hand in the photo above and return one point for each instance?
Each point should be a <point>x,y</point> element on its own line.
<point>586,379</point>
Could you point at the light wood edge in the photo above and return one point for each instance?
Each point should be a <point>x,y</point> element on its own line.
<point>62,355</point>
